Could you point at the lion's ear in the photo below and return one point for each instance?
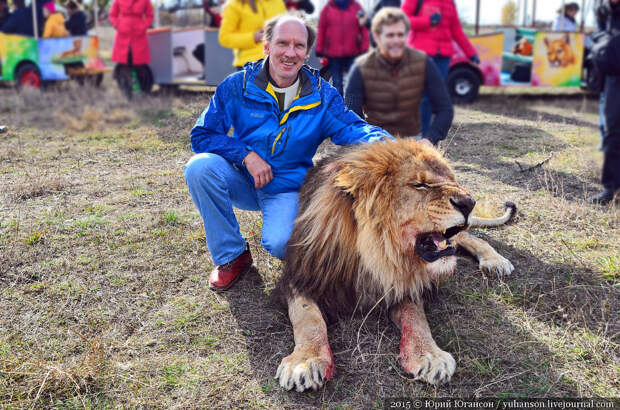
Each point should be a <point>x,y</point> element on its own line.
<point>350,178</point>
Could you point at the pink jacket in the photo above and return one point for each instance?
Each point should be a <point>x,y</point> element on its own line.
<point>340,34</point>
<point>437,39</point>
<point>131,18</point>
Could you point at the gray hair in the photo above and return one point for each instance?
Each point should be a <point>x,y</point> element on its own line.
<point>273,22</point>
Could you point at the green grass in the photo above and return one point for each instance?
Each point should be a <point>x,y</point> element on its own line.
<point>104,267</point>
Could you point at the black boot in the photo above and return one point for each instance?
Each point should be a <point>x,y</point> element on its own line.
<point>602,198</point>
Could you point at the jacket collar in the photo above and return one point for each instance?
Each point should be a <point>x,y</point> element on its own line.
<point>257,74</point>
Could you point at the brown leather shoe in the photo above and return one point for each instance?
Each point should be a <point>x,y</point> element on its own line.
<point>224,276</point>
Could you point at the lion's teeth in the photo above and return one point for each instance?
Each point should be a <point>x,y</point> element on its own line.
<point>443,244</point>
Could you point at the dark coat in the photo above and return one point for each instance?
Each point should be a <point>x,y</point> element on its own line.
<point>76,25</point>
<point>20,22</point>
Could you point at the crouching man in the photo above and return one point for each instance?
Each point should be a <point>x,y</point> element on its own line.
<point>280,111</point>
<point>386,85</point>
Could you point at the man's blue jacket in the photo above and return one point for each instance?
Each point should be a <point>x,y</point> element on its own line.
<point>287,140</point>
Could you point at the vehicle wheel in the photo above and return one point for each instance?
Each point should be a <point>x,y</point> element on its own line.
<point>28,75</point>
<point>463,84</point>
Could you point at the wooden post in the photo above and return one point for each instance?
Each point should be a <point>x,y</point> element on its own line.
<point>157,14</point>
<point>35,25</point>
<point>477,16</point>
<point>583,16</point>
<point>96,11</point>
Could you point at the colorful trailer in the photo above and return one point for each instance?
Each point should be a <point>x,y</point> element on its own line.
<point>556,61</point>
<point>28,61</point>
<point>174,61</point>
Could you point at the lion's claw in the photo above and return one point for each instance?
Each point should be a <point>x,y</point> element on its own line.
<point>304,373</point>
<point>435,367</point>
<point>496,265</point>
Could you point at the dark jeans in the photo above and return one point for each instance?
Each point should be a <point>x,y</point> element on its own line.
<point>611,142</point>
<point>125,79</point>
<point>338,66</point>
<point>443,65</point>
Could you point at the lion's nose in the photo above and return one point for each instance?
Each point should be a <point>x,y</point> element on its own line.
<point>464,203</point>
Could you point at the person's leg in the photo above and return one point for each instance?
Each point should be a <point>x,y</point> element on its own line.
<point>601,111</point>
<point>124,76</point>
<point>279,213</point>
<point>215,186</point>
<point>443,65</point>
<point>335,67</point>
<point>611,144</point>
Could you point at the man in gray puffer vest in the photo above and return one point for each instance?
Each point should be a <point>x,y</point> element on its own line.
<point>386,85</point>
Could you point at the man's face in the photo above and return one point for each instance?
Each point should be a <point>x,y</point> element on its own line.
<point>287,51</point>
<point>392,40</point>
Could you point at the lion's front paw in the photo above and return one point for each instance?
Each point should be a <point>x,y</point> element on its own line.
<point>434,367</point>
<point>305,371</point>
<point>496,264</point>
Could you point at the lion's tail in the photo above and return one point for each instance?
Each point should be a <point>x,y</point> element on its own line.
<point>511,210</point>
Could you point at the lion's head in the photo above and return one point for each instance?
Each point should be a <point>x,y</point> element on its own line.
<point>559,52</point>
<point>376,222</point>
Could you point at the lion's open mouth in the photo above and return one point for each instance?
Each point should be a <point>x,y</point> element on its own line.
<point>434,245</point>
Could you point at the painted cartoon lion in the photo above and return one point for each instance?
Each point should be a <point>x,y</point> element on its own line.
<point>559,51</point>
<point>377,223</point>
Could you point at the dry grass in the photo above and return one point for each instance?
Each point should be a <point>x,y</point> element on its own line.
<point>103,266</point>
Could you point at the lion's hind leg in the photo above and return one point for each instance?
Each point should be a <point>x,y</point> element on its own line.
<point>489,260</point>
<point>419,354</point>
<point>311,362</point>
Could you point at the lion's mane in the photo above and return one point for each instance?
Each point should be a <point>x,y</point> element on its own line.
<point>345,250</point>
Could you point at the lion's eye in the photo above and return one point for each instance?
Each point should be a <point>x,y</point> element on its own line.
<point>420,186</point>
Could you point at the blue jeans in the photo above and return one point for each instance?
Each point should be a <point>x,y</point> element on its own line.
<point>443,65</point>
<point>216,186</point>
<point>338,66</point>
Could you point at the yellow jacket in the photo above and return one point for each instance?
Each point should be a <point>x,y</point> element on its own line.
<point>239,23</point>
<point>55,26</point>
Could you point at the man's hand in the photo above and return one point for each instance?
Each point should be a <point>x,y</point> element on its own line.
<point>258,36</point>
<point>259,169</point>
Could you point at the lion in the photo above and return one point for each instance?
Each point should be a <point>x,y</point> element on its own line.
<point>559,52</point>
<point>523,47</point>
<point>377,223</point>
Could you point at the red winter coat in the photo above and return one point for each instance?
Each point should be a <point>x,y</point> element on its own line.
<point>131,18</point>
<point>340,34</point>
<point>437,39</point>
